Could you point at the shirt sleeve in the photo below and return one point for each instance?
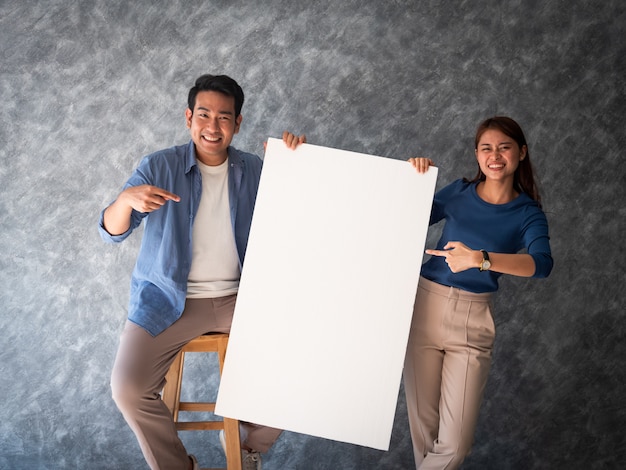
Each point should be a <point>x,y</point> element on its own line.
<point>442,196</point>
<point>140,176</point>
<point>106,236</point>
<point>537,241</point>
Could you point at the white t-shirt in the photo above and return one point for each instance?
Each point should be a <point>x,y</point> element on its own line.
<point>215,268</point>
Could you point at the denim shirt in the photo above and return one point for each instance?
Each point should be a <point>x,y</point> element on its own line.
<point>159,280</point>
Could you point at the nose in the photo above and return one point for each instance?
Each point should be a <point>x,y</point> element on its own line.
<point>212,124</point>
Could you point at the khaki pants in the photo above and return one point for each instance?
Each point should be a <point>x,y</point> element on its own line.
<point>139,375</point>
<point>447,363</point>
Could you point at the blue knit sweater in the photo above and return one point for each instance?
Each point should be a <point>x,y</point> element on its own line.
<point>499,228</point>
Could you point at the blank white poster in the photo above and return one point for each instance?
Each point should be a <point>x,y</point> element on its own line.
<point>326,296</point>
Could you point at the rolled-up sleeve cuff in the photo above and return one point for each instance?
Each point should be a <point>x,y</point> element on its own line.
<point>543,264</point>
<point>106,236</point>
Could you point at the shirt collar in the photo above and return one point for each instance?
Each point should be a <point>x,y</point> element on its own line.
<point>233,156</point>
<point>191,157</point>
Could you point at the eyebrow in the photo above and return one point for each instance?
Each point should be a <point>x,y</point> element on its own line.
<point>501,143</point>
<point>202,108</point>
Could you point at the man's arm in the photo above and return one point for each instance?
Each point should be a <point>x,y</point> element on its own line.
<point>143,198</point>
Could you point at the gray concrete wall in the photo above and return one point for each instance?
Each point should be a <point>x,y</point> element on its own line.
<point>88,87</point>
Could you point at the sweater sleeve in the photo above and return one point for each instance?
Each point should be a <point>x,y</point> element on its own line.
<point>440,200</point>
<point>537,242</point>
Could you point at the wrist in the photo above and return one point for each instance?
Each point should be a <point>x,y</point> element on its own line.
<point>485,262</point>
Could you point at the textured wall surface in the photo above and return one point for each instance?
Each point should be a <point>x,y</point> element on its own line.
<point>88,87</point>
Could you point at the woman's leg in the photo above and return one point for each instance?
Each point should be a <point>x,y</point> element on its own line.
<point>470,333</point>
<point>422,371</point>
<point>447,364</point>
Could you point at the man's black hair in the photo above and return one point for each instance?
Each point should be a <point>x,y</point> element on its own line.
<point>220,83</point>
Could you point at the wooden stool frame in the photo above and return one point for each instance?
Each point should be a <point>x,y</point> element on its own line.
<point>217,343</point>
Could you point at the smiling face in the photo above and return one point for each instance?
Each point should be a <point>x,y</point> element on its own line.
<point>498,155</point>
<point>212,125</point>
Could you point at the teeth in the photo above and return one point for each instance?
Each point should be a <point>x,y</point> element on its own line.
<point>212,139</point>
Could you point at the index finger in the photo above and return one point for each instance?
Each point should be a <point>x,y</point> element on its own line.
<point>166,194</point>
<point>436,252</point>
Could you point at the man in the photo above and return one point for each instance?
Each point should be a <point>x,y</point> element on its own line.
<point>197,202</point>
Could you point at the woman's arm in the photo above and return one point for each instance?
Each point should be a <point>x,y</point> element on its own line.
<point>520,264</point>
<point>460,257</point>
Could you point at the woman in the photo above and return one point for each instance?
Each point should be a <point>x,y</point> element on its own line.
<point>489,220</point>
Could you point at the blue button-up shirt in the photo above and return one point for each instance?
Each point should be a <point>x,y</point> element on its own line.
<point>159,280</point>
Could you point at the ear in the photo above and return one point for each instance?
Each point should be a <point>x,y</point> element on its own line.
<point>188,115</point>
<point>238,123</point>
<point>522,153</point>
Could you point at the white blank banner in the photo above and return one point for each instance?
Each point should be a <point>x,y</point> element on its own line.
<point>326,296</point>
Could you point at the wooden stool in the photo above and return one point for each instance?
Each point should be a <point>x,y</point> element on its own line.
<point>216,342</point>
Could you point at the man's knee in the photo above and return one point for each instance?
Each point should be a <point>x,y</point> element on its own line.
<point>125,391</point>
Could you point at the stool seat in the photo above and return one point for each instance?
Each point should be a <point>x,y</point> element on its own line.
<point>208,343</point>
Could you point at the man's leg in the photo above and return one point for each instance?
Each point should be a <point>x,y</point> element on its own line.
<point>257,438</point>
<point>139,376</point>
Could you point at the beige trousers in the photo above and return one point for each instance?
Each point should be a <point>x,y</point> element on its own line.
<point>139,375</point>
<point>447,363</point>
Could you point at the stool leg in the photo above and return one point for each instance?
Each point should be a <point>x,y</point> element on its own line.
<point>173,382</point>
<point>233,444</point>
<point>172,391</point>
